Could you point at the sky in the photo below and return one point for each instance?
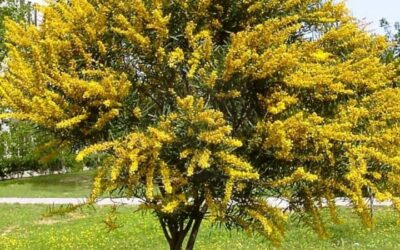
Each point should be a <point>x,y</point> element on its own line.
<point>374,10</point>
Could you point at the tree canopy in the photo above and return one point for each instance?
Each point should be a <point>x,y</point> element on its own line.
<point>16,10</point>
<point>24,146</point>
<point>205,108</point>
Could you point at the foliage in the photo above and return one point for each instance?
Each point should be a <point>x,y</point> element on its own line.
<point>204,107</point>
<point>19,141</point>
<point>393,34</point>
<point>14,150</point>
<point>25,147</point>
<point>16,10</point>
<point>393,52</point>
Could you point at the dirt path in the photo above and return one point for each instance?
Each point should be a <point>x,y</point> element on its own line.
<point>59,201</point>
<point>275,202</point>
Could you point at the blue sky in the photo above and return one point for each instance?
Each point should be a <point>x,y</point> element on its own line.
<point>374,10</point>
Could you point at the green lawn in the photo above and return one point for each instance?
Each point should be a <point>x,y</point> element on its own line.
<point>23,227</point>
<point>77,184</point>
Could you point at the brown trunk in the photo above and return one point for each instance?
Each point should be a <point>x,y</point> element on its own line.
<point>176,228</point>
<point>193,233</point>
<point>176,231</point>
<point>176,245</point>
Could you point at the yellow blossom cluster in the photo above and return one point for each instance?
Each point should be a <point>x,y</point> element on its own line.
<point>146,156</point>
<point>278,102</point>
<point>56,78</point>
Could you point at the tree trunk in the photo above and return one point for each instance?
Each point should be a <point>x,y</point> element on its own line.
<point>175,244</point>
<point>193,233</point>
<point>176,231</point>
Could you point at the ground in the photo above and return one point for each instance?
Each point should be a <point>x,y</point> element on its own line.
<point>25,227</point>
<point>71,185</point>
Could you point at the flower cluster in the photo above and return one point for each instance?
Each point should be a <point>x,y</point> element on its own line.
<point>147,158</point>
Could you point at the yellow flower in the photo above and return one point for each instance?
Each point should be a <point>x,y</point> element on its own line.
<point>321,55</point>
<point>203,158</point>
<point>137,112</point>
<point>175,57</point>
<point>171,206</point>
<point>71,122</point>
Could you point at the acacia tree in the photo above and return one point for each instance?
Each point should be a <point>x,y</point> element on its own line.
<point>16,10</point>
<point>206,107</point>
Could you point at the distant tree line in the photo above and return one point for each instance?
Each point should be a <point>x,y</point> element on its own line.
<point>25,147</point>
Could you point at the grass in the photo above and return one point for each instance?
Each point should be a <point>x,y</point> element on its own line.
<point>70,185</point>
<point>23,227</point>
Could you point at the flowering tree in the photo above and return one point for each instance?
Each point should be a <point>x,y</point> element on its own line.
<point>16,10</point>
<point>205,107</point>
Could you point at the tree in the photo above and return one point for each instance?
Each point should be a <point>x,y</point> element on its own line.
<point>204,108</point>
<point>25,147</point>
<point>392,54</point>
<point>393,34</point>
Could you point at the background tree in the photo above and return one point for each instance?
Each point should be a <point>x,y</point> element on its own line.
<point>26,148</point>
<point>205,107</point>
<point>393,34</point>
<point>392,54</point>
